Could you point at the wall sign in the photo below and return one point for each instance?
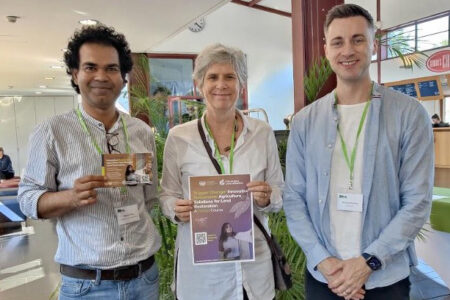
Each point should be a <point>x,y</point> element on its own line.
<point>439,61</point>
<point>423,88</point>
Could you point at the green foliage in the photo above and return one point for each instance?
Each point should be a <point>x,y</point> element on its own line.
<point>317,75</point>
<point>282,148</point>
<point>294,255</point>
<point>399,46</point>
<point>165,256</point>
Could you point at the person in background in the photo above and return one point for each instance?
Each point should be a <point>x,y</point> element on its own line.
<point>241,145</point>
<point>436,121</point>
<point>359,174</point>
<point>6,169</point>
<point>106,237</point>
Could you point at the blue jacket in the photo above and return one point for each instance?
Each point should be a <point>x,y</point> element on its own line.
<point>6,164</point>
<point>397,183</point>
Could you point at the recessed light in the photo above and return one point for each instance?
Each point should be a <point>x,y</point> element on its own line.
<point>38,93</point>
<point>89,22</point>
<point>80,12</point>
<point>43,86</point>
<point>56,67</point>
<point>49,78</point>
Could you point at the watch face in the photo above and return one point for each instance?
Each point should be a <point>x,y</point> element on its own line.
<point>198,25</point>
<point>374,263</point>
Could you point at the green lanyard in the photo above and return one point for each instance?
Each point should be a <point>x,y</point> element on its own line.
<point>351,162</point>
<point>217,152</point>
<point>86,129</point>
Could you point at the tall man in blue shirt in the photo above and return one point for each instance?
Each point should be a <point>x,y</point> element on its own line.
<point>106,236</point>
<point>359,174</point>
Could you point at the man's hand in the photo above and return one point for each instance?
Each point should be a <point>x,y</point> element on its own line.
<point>354,274</point>
<point>56,204</point>
<point>83,191</point>
<point>331,269</point>
<point>183,208</point>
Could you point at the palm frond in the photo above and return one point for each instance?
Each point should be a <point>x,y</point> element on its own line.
<point>317,75</point>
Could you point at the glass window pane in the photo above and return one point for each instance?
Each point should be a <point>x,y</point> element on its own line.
<point>173,74</point>
<point>433,41</point>
<point>402,40</point>
<point>433,26</point>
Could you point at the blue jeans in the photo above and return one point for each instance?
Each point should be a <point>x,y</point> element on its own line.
<point>144,287</point>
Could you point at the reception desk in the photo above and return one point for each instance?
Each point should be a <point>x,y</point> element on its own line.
<point>442,156</point>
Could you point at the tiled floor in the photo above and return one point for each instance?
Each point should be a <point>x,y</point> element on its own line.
<point>27,269</point>
<point>28,272</point>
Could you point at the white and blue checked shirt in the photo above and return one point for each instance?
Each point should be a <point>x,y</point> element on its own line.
<point>90,236</point>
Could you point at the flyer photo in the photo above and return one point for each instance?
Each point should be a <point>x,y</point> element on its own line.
<point>128,169</point>
<point>222,219</point>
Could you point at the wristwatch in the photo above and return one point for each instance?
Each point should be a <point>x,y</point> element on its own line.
<point>372,261</point>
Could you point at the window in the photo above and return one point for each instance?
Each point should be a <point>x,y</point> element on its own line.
<point>432,34</point>
<point>173,74</point>
<point>403,39</point>
<point>420,35</point>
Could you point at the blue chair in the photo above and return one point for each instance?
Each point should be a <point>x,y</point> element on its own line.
<point>10,208</point>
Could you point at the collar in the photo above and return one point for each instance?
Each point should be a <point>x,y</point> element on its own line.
<point>246,125</point>
<point>377,94</point>
<point>97,124</point>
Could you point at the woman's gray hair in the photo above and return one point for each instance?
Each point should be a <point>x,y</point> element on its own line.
<point>219,54</point>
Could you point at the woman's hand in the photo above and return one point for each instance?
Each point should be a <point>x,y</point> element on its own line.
<point>182,209</point>
<point>261,192</point>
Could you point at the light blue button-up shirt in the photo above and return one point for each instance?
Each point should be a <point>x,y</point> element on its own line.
<point>398,174</point>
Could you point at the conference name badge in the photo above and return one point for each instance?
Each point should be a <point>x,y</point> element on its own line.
<point>350,202</point>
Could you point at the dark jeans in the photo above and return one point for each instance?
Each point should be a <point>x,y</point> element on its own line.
<point>316,290</point>
<point>6,175</point>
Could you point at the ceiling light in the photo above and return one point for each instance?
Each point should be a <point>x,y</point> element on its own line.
<point>43,86</point>
<point>56,67</point>
<point>49,78</point>
<point>89,22</point>
<point>80,12</point>
<point>38,93</point>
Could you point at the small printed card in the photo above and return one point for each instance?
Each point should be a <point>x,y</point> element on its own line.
<point>222,220</point>
<point>127,169</point>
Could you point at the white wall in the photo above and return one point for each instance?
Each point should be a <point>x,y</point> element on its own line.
<point>391,71</point>
<point>266,38</point>
<point>18,117</point>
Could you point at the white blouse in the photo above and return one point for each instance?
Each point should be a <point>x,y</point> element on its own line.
<point>185,155</point>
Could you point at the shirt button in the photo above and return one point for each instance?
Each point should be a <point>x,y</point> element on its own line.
<point>329,146</point>
<point>325,173</point>
<point>335,119</point>
<point>320,200</point>
<point>121,238</point>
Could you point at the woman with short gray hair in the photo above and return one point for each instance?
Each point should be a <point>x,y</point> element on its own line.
<point>239,145</point>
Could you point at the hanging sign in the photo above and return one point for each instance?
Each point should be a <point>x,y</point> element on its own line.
<point>439,61</point>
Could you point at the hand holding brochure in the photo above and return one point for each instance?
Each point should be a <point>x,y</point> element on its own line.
<point>127,169</point>
<point>222,220</point>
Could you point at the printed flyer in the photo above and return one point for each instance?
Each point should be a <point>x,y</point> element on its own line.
<point>222,219</point>
<point>127,169</point>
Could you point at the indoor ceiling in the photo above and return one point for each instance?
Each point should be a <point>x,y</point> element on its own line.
<point>31,46</point>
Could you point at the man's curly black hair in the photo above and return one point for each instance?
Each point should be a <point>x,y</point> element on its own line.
<point>99,34</point>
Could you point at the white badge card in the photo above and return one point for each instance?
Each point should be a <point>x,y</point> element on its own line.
<point>127,214</point>
<point>350,202</point>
